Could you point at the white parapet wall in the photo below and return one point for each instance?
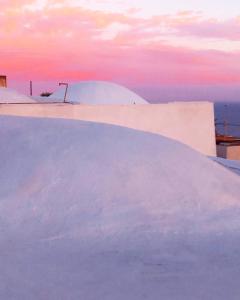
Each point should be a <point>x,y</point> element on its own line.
<point>191,123</point>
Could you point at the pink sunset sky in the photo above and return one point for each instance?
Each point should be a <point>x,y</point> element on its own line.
<point>164,50</point>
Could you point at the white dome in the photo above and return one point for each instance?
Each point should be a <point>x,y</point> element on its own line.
<point>11,96</point>
<point>97,92</point>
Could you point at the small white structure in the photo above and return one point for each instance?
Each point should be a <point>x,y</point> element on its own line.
<point>8,95</point>
<point>97,92</point>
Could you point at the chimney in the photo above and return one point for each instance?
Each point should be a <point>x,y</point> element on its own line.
<point>3,81</point>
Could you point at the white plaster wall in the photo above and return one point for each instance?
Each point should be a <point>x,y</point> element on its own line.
<point>189,122</point>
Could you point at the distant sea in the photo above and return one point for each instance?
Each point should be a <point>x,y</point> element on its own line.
<point>228,113</point>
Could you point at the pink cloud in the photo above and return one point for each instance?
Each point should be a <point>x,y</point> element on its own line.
<point>229,29</point>
<point>65,44</point>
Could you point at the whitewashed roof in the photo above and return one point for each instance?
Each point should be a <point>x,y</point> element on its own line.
<point>98,92</point>
<point>8,95</point>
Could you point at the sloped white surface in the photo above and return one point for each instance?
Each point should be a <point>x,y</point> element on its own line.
<point>40,99</point>
<point>98,92</point>
<point>232,165</point>
<point>92,211</point>
<point>8,95</point>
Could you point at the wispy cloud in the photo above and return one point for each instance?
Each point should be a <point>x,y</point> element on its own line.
<point>53,41</point>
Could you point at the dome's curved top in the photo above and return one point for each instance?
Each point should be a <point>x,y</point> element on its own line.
<point>98,92</point>
<point>8,95</point>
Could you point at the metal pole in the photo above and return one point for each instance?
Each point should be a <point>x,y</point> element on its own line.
<point>30,88</point>
<point>225,120</point>
<point>65,94</point>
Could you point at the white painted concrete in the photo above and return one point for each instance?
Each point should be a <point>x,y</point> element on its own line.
<point>191,123</point>
<point>8,95</point>
<point>97,93</point>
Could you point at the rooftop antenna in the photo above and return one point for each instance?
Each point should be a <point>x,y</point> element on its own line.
<point>65,95</point>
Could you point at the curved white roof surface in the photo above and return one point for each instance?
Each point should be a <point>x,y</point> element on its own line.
<point>107,212</point>
<point>8,95</point>
<point>97,92</point>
